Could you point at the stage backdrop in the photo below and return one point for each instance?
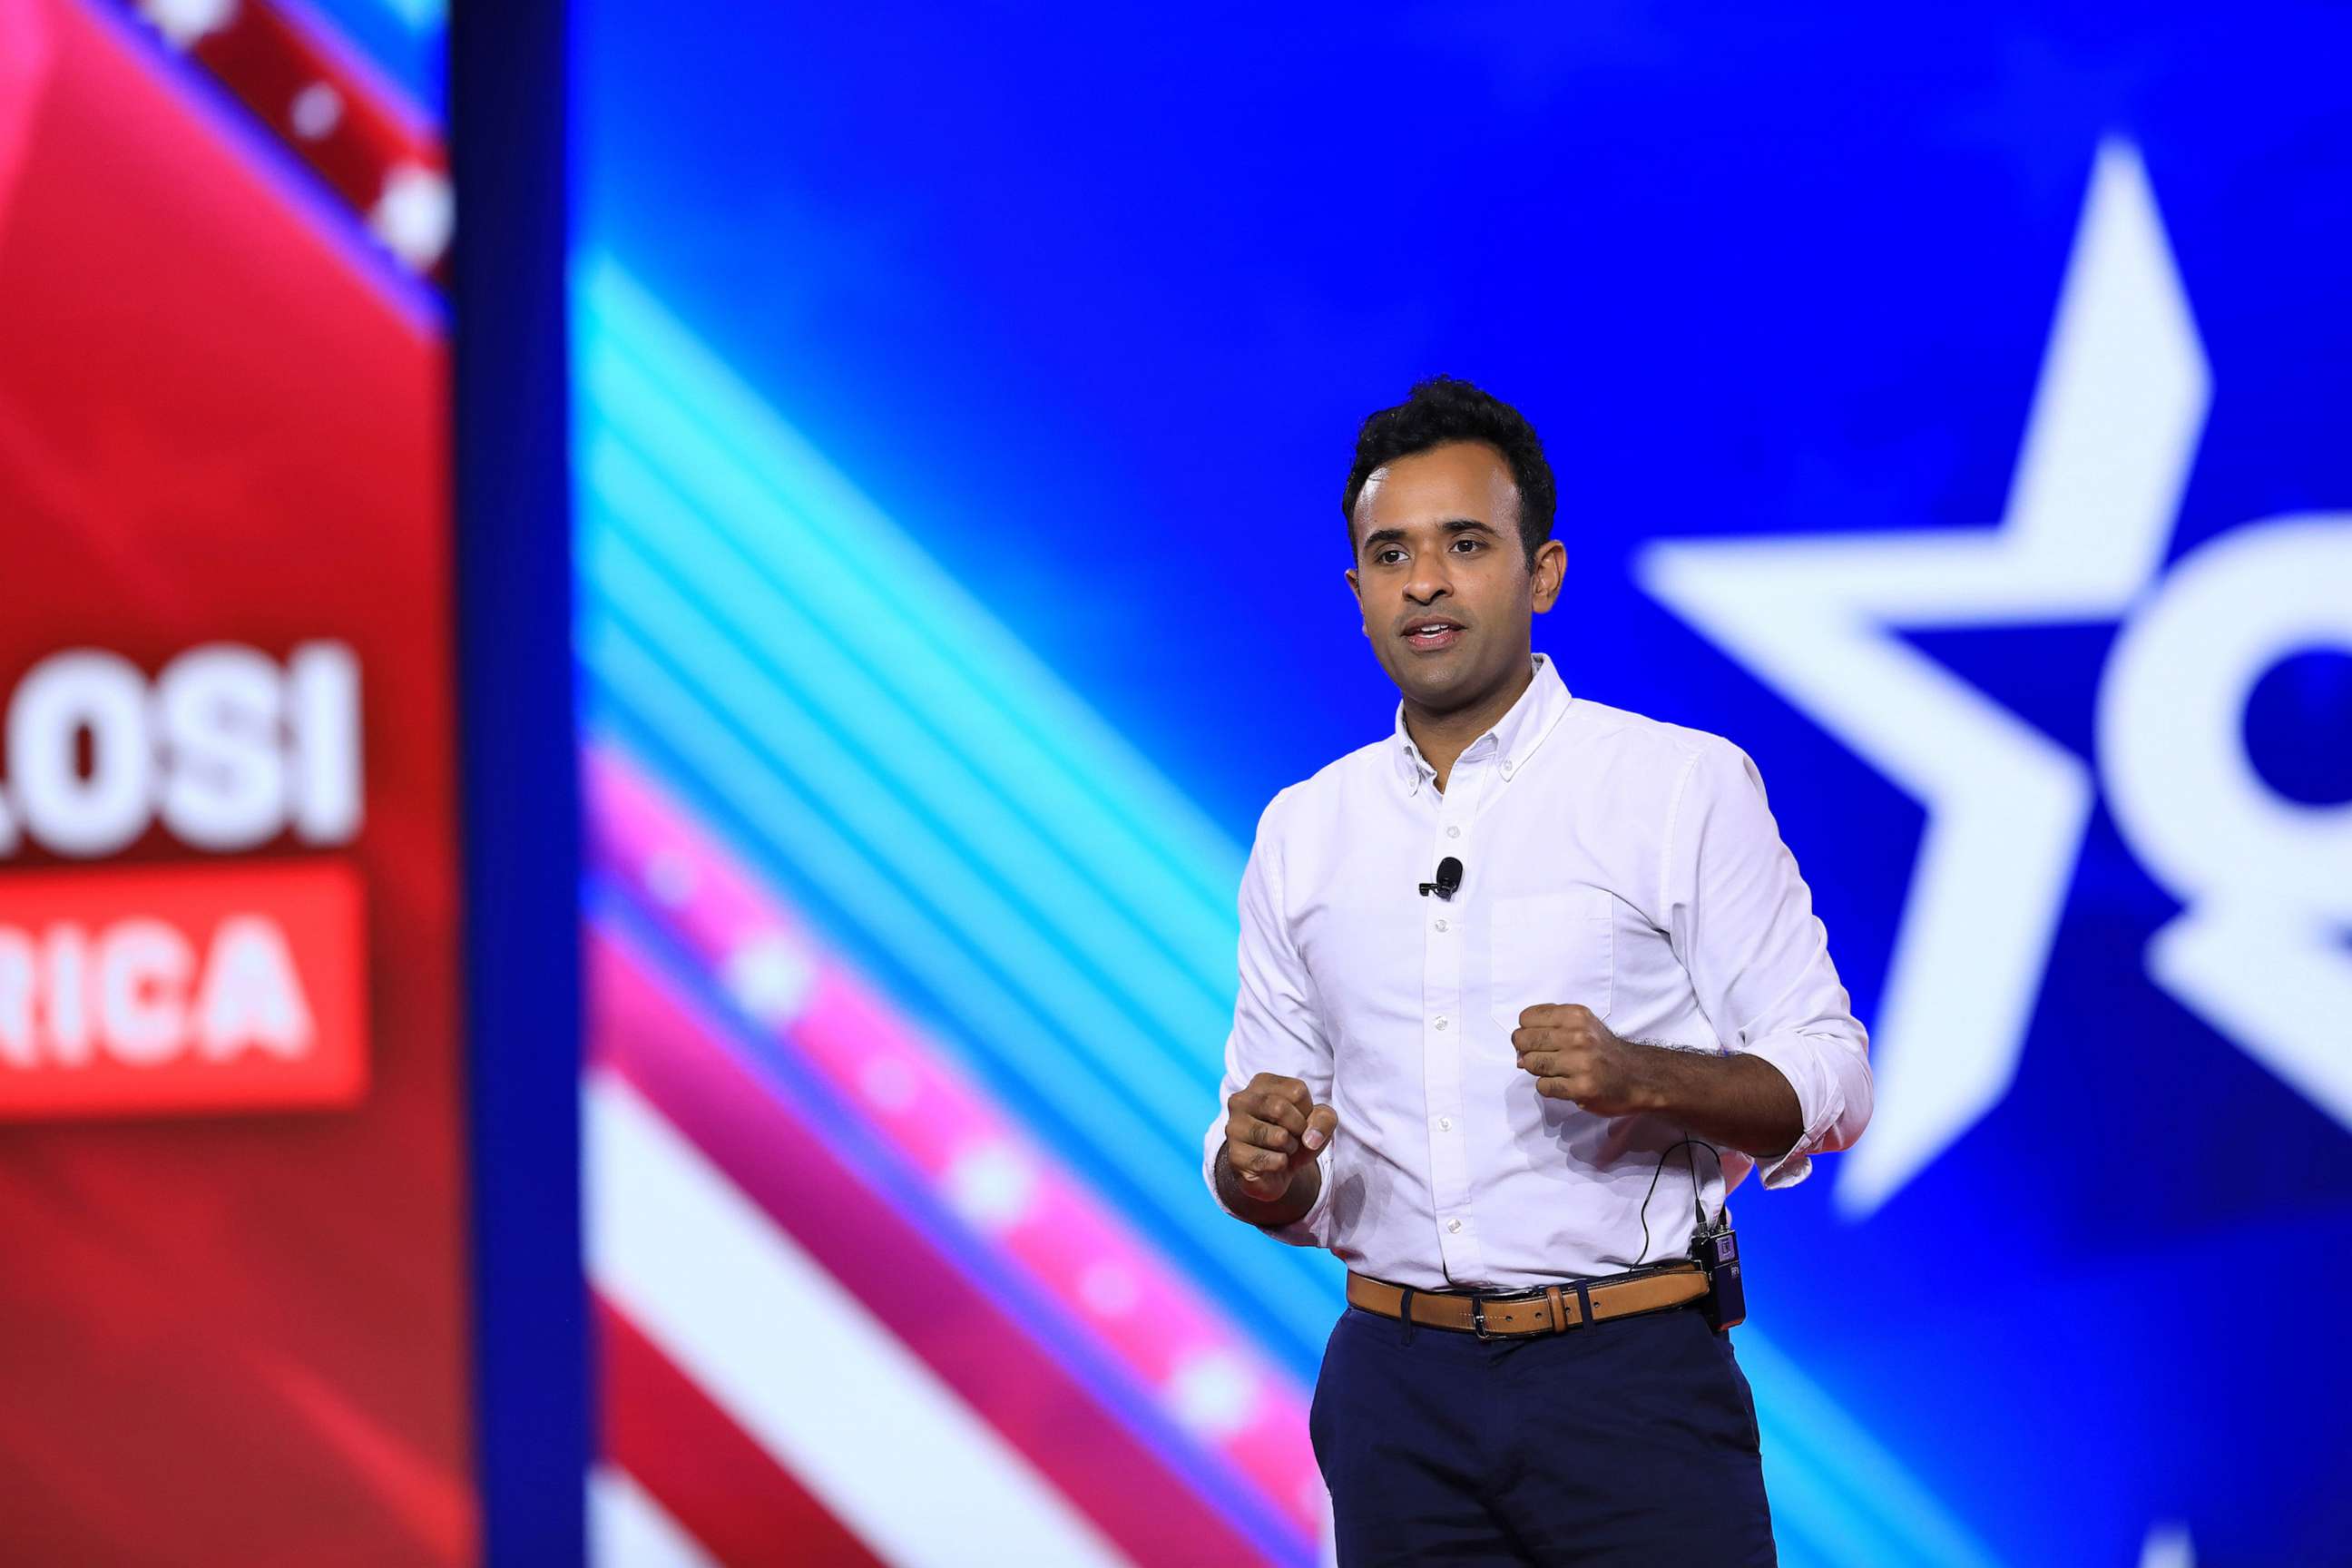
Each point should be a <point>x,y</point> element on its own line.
<point>232,1305</point>
<point>1950,411</point>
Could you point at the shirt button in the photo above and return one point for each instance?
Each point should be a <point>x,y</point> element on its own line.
<point>1441,1020</point>
<point>1441,925</point>
<point>1453,1225</point>
<point>1445,1125</point>
<point>1506,770</point>
<point>1453,833</point>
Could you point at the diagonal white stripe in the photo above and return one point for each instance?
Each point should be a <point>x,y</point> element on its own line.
<point>627,1528</point>
<point>796,1362</point>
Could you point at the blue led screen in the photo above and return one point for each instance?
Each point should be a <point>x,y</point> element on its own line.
<point>1946,408</point>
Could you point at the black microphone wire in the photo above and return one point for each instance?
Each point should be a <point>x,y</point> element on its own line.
<point>1698,1203</point>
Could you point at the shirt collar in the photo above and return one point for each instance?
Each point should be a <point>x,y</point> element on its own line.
<point>1512,740</point>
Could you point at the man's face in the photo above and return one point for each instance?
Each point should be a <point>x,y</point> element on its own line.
<point>1445,588</point>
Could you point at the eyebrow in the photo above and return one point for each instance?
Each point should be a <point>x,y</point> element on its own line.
<point>1457,525</point>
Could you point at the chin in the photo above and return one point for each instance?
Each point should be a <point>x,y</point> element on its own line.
<point>1431,688</point>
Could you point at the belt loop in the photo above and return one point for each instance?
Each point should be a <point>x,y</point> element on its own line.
<point>1583,1305</point>
<point>1553,1306</point>
<point>1404,1312</point>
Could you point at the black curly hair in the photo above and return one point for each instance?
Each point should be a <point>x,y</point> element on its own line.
<point>1444,409</point>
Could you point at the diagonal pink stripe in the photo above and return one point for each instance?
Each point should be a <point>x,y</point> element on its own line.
<point>994,1363</point>
<point>1021,1197</point>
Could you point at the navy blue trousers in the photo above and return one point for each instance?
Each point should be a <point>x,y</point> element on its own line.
<point>1629,1442</point>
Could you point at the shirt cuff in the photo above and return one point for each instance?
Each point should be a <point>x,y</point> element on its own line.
<point>1308,1229</point>
<point>1820,1102</point>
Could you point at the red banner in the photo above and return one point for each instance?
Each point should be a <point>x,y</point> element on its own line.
<point>197,989</point>
<point>232,1327</point>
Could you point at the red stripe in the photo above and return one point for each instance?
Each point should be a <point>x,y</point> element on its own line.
<point>971,1341</point>
<point>722,1488</point>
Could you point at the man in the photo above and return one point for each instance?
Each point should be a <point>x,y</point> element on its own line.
<point>1525,988</point>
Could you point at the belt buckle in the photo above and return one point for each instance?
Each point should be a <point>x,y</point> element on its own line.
<point>1478,1317</point>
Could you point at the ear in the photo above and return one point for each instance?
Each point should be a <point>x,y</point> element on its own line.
<point>1545,578</point>
<point>1358,589</point>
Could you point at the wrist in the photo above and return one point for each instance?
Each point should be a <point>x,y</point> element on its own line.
<point>1652,1072</point>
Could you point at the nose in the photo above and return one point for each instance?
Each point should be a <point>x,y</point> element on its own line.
<point>1428,583</point>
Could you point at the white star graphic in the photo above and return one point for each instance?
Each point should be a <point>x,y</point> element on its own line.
<point>2114,425</point>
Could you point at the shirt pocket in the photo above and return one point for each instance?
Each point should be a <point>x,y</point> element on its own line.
<point>1551,948</point>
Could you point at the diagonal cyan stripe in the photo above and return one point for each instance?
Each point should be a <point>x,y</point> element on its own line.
<point>788,638</point>
<point>918,630</point>
<point>894,840</point>
<point>1038,1075</point>
<point>984,696</point>
<point>842,638</point>
<point>930,942</point>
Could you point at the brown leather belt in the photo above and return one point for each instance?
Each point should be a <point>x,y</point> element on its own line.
<point>1551,1311</point>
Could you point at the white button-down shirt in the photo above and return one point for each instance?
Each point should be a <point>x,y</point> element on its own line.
<point>1610,859</point>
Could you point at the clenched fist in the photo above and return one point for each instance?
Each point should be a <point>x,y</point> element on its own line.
<point>1273,1127</point>
<point>1575,1057</point>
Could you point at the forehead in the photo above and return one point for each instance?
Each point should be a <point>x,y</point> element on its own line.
<point>1459,479</point>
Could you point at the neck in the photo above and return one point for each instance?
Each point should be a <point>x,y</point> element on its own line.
<point>1442,736</point>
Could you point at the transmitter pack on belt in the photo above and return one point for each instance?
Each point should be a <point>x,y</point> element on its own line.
<point>1716,1251</point>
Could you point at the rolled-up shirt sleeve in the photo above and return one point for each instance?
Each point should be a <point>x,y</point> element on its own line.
<point>1741,919</point>
<point>1276,1027</point>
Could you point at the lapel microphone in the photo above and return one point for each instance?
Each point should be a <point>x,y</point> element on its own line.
<point>1449,879</point>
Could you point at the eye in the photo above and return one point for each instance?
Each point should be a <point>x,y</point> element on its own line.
<point>1387,557</point>
<point>1473,543</point>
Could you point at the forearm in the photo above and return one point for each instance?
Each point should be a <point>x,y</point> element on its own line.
<point>1305,1185</point>
<point>1741,1101</point>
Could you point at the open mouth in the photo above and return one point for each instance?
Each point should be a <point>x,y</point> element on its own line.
<point>1434,632</point>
